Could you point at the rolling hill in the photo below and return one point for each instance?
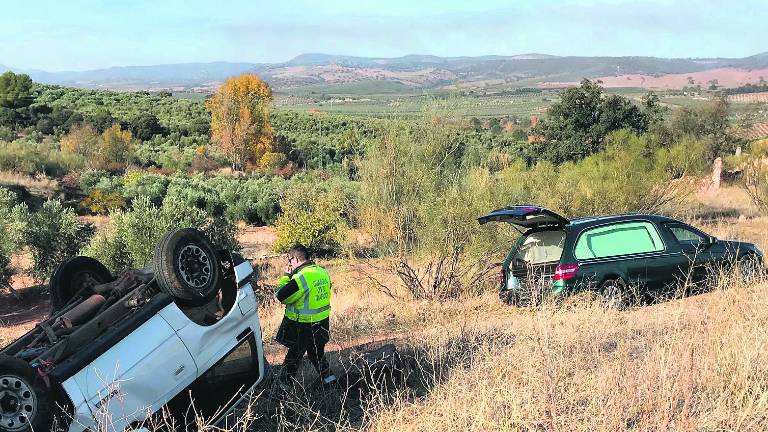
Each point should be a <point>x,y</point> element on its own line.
<point>416,72</point>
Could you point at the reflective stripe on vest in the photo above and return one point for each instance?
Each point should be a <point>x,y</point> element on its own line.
<point>306,310</point>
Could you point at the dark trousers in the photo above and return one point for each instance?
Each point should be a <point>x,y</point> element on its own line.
<point>301,338</point>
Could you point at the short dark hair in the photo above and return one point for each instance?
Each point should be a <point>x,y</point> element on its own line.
<point>299,251</point>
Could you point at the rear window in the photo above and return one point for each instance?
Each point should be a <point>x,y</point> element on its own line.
<point>618,239</point>
<point>541,247</point>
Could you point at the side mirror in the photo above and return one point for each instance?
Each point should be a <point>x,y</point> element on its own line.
<point>706,243</point>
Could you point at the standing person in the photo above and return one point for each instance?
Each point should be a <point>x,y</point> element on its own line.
<point>305,290</point>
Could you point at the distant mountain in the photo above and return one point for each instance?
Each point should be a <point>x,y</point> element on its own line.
<point>410,71</point>
<point>139,77</point>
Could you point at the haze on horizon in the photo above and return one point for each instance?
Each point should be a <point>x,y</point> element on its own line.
<point>90,34</point>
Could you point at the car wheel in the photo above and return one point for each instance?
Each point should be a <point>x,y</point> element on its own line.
<point>750,268</point>
<point>508,297</point>
<point>74,275</point>
<point>614,294</point>
<point>25,401</point>
<point>186,267</point>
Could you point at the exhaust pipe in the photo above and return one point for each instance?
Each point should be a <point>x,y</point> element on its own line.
<point>84,311</point>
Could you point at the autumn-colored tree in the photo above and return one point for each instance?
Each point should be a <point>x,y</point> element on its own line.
<point>240,119</point>
<point>81,139</point>
<point>116,147</point>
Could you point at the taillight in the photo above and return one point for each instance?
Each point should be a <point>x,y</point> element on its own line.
<point>566,272</point>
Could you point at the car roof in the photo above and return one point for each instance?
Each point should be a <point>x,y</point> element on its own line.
<point>586,222</point>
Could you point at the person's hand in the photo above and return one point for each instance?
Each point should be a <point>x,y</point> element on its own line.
<point>288,264</point>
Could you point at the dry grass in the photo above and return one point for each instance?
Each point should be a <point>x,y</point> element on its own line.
<point>699,363</point>
<point>693,364</point>
<point>37,185</point>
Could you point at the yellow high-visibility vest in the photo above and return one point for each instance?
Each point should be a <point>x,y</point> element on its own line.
<point>312,302</point>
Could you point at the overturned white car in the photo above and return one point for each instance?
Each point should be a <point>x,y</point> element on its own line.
<point>117,350</point>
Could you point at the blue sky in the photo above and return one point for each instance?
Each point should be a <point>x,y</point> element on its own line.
<point>85,34</point>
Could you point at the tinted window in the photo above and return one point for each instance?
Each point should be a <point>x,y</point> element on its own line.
<point>618,239</point>
<point>685,235</point>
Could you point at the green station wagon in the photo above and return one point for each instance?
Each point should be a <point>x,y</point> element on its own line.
<point>628,257</point>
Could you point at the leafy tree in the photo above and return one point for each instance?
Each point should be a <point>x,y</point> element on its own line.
<point>240,119</point>
<point>102,120</point>
<point>15,90</point>
<point>116,146</point>
<point>81,139</point>
<point>9,117</point>
<point>145,126</point>
<point>495,126</point>
<point>577,125</point>
<point>651,106</point>
<point>477,125</point>
<point>313,218</point>
<point>709,122</point>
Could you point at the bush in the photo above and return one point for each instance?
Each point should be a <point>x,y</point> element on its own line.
<point>89,179</point>
<point>129,241</point>
<point>6,272</point>
<point>100,202</point>
<point>13,223</point>
<point>7,134</point>
<point>54,234</point>
<point>754,179</point>
<point>29,157</point>
<point>140,184</point>
<point>312,217</point>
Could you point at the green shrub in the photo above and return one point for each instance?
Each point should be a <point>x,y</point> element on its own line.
<point>100,202</point>
<point>312,217</point>
<point>7,134</point>
<point>129,241</point>
<point>140,184</point>
<point>30,157</point>
<point>6,272</point>
<point>89,178</point>
<point>54,233</point>
<point>14,219</point>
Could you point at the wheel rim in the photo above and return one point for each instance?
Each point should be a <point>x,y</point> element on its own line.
<point>17,403</point>
<point>194,266</point>
<point>749,269</point>
<point>612,295</point>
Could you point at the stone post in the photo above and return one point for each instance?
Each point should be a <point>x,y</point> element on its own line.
<point>717,173</point>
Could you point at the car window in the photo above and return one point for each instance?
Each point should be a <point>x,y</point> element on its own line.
<point>541,247</point>
<point>241,361</point>
<point>685,235</point>
<point>622,238</point>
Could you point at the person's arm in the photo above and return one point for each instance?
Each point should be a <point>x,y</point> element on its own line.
<point>288,290</point>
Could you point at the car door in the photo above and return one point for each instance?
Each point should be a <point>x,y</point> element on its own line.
<point>210,343</point>
<point>698,258</point>
<point>138,375</point>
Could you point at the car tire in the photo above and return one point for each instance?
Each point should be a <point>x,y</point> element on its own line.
<point>614,294</point>
<point>508,297</point>
<point>186,267</point>
<point>750,268</point>
<point>26,402</point>
<point>73,275</point>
